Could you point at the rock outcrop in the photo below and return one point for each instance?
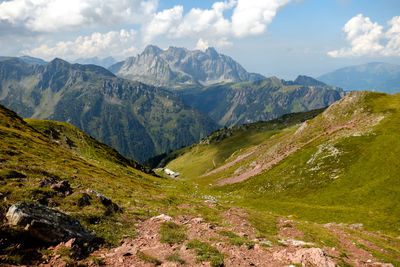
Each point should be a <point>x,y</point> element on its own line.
<point>179,67</point>
<point>46,224</point>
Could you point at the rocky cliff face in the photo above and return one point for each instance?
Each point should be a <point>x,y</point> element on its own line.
<point>138,120</point>
<point>178,67</point>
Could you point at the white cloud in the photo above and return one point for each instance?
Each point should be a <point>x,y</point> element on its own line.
<point>116,44</point>
<point>202,45</point>
<point>369,39</point>
<point>250,17</point>
<point>57,15</point>
<point>162,22</point>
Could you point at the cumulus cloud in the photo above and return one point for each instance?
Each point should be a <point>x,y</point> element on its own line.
<point>202,45</point>
<point>116,44</point>
<point>249,17</point>
<point>56,15</point>
<point>162,22</point>
<point>367,38</point>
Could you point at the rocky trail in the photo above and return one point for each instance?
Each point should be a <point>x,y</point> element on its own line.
<point>233,242</point>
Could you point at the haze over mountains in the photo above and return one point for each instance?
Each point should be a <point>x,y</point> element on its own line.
<point>374,76</point>
<point>177,68</point>
<point>103,62</point>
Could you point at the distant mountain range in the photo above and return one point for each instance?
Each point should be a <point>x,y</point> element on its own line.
<point>375,76</point>
<point>177,68</point>
<point>140,121</point>
<point>237,103</point>
<point>29,60</point>
<point>103,62</point>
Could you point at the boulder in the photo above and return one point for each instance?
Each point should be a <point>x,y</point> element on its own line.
<point>46,224</point>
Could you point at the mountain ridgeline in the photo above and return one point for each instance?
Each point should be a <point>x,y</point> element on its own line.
<point>140,121</point>
<point>177,68</point>
<point>244,102</point>
<point>374,76</point>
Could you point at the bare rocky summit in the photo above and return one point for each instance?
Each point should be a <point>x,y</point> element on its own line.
<point>179,67</point>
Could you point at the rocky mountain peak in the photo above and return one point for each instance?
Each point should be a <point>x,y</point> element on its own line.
<point>151,49</point>
<point>179,67</point>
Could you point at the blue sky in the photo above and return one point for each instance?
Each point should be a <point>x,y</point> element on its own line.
<point>283,38</point>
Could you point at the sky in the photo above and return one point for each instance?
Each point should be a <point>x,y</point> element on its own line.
<point>282,38</point>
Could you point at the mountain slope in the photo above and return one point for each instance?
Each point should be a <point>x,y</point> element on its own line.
<point>31,161</point>
<point>152,217</point>
<point>340,166</point>
<point>177,68</point>
<point>376,76</point>
<point>138,120</point>
<point>237,103</point>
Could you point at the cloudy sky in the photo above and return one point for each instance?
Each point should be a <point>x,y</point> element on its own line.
<point>272,37</point>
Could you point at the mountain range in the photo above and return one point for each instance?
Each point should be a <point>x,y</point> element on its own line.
<point>177,68</point>
<point>138,120</point>
<point>236,103</point>
<point>142,121</point>
<point>374,76</point>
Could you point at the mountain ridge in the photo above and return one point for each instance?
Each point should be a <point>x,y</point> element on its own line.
<point>374,76</point>
<point>244,102</point>
<point>177,68</point>
<point>138,120</point>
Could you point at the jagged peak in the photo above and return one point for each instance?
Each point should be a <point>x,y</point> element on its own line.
<point>152,49</point>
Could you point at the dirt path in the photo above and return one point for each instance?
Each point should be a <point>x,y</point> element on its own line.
<point>276,157</point>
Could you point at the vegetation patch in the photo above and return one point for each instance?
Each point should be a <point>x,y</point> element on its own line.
<point>175,257</point>
<point>206,252</point>
<point>172,233</point>
<point>148,258</point>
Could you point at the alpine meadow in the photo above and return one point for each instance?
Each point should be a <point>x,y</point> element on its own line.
<point>200,133</point>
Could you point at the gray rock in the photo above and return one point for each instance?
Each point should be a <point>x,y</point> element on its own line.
<point>46,224</point>
<point>179,67</point>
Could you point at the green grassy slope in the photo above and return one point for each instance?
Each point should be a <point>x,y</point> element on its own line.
<point>30,156</point>
<point>341,166</point>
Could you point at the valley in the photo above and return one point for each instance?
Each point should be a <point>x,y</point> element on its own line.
<point>240,170</point>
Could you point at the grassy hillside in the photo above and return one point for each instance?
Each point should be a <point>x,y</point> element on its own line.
<point>215,224</point>
<point>27,156</point>
<point>341,166</point>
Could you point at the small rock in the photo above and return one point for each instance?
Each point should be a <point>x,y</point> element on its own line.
<point>356,225</point>
<point>84,200</point>
<point>369,261</point>
<point>266,243</point>
<point>162,217</point>
<point>62,187</point>
<point>197,220</point>
<point>46,182</point>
